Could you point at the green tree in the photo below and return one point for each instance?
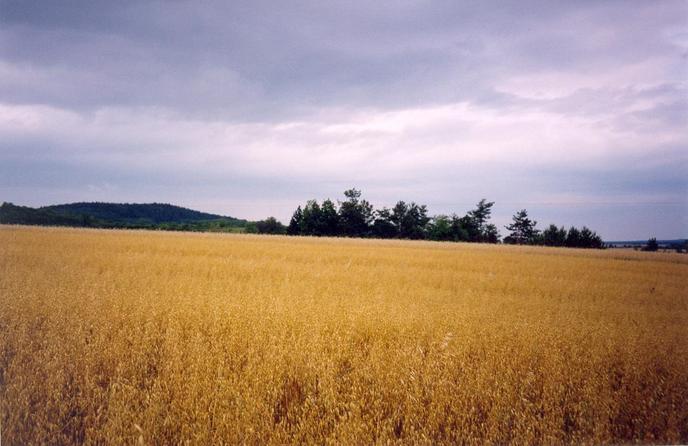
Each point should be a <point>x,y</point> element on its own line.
<point>329,219</point>
<point>398,213</point>
<point>460,233</point>
<point>590,239</point>
<point>479,216</point>
<point>482,212</point>
<point>355,215</point>
<point>270,226</point>
<point>491,234</point>
<point>410,220</point>
<point>311,219</point>
<point>522,229</point>
<point>383,226</point>
<point>440,228</point>
<point>294,227</point>
<point>553,236</point>
<point>573,238</point>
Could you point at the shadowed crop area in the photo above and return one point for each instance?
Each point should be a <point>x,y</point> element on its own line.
<point>112,337</point>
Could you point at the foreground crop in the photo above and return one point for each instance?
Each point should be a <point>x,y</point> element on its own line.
<point>112,337</point>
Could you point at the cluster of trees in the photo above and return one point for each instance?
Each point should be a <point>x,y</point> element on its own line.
<point>356,217</point>
<point>268,226</point>
<point>523,231</point>
<point>651,245</point>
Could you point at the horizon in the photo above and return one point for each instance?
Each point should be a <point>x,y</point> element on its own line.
<point>538,226</point>
<point>576,112</point>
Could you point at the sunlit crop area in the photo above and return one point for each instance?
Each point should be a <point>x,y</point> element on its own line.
<point>167,338</point>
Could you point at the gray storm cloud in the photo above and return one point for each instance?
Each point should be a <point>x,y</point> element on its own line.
<point>577,110</point>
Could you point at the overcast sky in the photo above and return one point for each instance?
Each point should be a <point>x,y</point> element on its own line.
<point>576,111</point>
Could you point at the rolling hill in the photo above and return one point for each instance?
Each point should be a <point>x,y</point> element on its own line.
<point>117,215</point>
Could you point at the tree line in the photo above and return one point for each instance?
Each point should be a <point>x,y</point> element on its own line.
<point>356,217</point>
<point>155,216</point>
<point>523,231</point>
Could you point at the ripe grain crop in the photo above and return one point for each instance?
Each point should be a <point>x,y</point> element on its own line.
<point>113,337</point>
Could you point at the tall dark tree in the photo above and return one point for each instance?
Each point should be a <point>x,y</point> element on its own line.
<point>573,238</point>
<point>311,219</point>
<point>522,229</point>
<point>420,219</point>
<point>470,226</point>
<point>482,212</point>
<point>398,213</point>
<point>294,227</point>
<point>553,236</point>
<point>490,234</point>
<point>329,218</point>
<point>410,219</point>
<point>589,239</point>
<point>480,215</point>
<point>463,228</point>
<point>355,215</point>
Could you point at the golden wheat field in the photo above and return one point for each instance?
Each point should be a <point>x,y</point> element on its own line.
<point>112,337</point>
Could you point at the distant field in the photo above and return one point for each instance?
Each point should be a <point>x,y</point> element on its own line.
<point>162,338</point>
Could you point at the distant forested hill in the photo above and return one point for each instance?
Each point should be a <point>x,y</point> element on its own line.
<point>118,215</point>
<point>152,213</point>
<point>23,215</point>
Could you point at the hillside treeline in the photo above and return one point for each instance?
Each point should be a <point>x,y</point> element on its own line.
<point>133,213</point>
<point>157,216</point>
<point>356,217</point>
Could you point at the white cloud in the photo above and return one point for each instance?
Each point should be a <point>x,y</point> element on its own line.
<point>333,144</point>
